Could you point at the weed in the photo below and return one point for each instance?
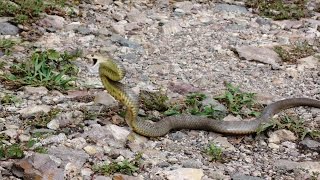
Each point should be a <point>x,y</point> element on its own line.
<point>42,119</point>
<point>279,9</point>
<point>214,151</point>
<point>48,68</point>
<point>38,149</point>
<point>124,167</point>
<point>6,45</point>
<point>193,105</point>
<point>11,151</point>
<point>154,100</point>
<point>236,100</point>
<point>294,124</point>
<point>173,110</point>
<point>26,11</point>
<point>294,52</point>
<point>8,99</point>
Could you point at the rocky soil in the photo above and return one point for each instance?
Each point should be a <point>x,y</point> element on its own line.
<point>180,47</point>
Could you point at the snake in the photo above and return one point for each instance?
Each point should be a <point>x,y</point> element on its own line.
<point>111,72</point>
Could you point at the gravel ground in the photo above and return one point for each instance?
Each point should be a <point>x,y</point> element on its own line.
<point>180,47</point>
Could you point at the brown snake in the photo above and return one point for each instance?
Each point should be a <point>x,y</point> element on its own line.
<point>111,72</point>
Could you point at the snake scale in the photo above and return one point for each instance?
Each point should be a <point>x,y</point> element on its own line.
<point>111,72</point>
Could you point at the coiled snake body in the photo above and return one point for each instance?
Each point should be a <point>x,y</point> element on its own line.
<point>111,72</point>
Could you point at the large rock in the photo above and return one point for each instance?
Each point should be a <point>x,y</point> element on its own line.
<point>38,166</point>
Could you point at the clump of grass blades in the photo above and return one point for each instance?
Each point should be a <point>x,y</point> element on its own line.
<point>48,68</point>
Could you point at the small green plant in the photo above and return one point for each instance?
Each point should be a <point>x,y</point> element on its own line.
<point>14,151</point>
<point>124,167</point>
<point>27,11</point>
<point>236,100</point>
<point>8,99</point>
<point>48,68</point>
<point>38,149</point>
<point>294,124</point>
<point>193,105</point>
<point>154,100</point>
<point>214,151</point>
<point>279,9</point>
<point>42,119</point>
<point>294,52</point>
<point>6,45</point>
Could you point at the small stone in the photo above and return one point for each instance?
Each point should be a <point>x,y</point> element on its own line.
<point>105,98</point>
<point>34,109</point>
<point>54,139</point>
<point>69,155</point>
<point>103,2</point>
<point>273,146</point>
<point>53,124</point>
<point>310,166</point>
<point>292,72</point>
<point>184,173</point>
<point>281,135</point>
<point>126,177</point>
<point>12,133</point>
<point>192,164</point>
<point>311,144</point>
<point>231,117</point>
<point>118,28</point>
<point>35,90</point>
<point>185,6</point>
<point>91,150</point>
<point>224,143</point>
<point>86,172</point>
<point>78,143</point>
<point>52,21</point>
<point>101,178</point>
<point>24,137</point>
<point>8,29</point>
<point>171,28</point>
<point>310,62</point>
<point>230,8</point>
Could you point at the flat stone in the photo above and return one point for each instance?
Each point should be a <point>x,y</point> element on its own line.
<point>110,134</point>
<point>103,2</point>
<point>245,177</point>
<point>35,90</point>
<point>310,166</point>
<point>64,119</point>
<point>230,8</point>
<point>38,166</point>
<point>69,155</point>
<point>105,98</point>
<point>34,109</point>
<point>171,28</point>
<point>311,144</point>
<point>259,54</point>
<point>224,143</point>
<point>309,62</point>
<point>52,21</point>
<point>281,135</point>
<point>8,29</point>
<point>184,173</point>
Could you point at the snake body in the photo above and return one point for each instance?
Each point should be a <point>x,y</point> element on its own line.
<point>111,72</point>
